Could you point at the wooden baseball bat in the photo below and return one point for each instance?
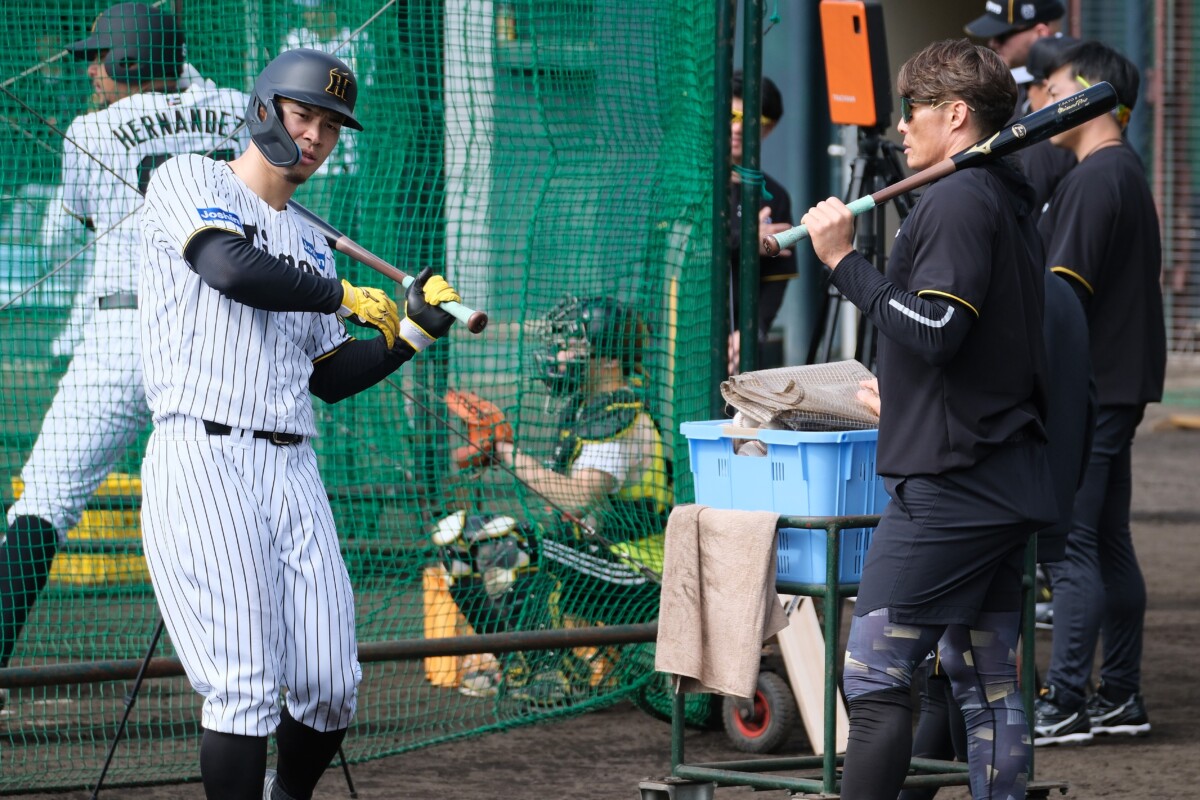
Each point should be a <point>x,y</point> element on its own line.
<point>1029,129</point>
<point>475,321</point>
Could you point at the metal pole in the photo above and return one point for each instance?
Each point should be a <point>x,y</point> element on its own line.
<point>748,266</point>
<point>130,699</point>
<point>401,650</point>
<point>833,612</point>
<point>719,289</point>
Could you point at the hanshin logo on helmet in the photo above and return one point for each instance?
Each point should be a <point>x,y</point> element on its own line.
<point>339,82</point>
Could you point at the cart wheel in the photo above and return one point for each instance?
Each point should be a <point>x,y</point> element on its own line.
<point>763,724</point>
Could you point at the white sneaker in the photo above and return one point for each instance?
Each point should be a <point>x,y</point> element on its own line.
<point>480,683</point>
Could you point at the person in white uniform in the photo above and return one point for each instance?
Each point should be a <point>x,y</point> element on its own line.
<point>241,319</point>
<point>135,55</point>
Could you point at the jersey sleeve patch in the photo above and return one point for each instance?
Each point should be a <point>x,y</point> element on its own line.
<point>219,215</point>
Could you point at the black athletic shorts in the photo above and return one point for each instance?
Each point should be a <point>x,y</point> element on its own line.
<point>949,546</point>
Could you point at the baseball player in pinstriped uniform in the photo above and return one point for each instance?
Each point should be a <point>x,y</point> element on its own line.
<point>100,407</point>
<point>240,308</point>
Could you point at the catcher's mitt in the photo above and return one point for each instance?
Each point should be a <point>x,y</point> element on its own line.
<point>486,425</point>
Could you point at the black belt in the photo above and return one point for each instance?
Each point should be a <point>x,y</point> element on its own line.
<point>116,301</point>
<point>274,437</point>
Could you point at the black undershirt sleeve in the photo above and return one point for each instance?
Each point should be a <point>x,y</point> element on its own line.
<point>932,328</point>
<point>242,272</point>
<point>245,274</point>
<point>356,365</point>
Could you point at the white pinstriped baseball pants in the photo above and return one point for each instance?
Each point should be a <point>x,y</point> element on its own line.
<point>99,408</point>
<point>244,558</point>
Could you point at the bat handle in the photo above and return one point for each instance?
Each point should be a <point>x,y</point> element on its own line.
<point>475,321</point>
<point>773,244</point>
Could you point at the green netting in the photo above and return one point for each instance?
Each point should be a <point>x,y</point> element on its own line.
<point>529,150</point>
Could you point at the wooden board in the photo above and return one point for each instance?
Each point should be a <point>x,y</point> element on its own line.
<point>802,645</point>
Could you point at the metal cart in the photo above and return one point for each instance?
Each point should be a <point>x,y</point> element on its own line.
<point>697,781</point>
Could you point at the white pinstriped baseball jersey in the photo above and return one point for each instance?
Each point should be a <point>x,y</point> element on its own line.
<point>131,138</point>
<point>204,355</point>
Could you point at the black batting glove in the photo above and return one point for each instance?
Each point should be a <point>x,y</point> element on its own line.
<point>424,321</point>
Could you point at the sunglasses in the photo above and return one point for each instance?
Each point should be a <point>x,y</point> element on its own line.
<point>907,103</point>
<point>740,118</point>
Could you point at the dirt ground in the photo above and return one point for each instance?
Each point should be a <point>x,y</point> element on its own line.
<point>604,755</point>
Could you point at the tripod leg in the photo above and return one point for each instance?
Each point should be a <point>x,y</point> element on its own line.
<point>346,771</point>
<point>819,328</point>
<point>130,699</point>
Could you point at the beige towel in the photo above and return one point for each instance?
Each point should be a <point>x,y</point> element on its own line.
<point>718,598</point>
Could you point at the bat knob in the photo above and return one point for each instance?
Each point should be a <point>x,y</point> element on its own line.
<point>477,322</point>
<point>770,245</point>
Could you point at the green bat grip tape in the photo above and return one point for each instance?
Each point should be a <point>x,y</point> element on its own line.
<point>792,235</point>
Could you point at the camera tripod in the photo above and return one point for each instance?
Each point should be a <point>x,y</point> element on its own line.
<point>875,166</point>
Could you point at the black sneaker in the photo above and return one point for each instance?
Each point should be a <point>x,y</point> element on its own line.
<point>1055,725</point>
<point>1118,719</point>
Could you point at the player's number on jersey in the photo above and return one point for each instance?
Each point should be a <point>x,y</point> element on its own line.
<point>152,162</point>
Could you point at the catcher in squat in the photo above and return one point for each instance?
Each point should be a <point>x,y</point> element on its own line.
<point>596,552</point>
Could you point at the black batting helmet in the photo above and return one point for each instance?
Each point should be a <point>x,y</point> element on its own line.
<point>141,43</point>
<point>306,76</point>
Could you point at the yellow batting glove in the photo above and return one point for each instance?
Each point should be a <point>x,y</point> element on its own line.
<point>438,291</point>
<point>370,308</point>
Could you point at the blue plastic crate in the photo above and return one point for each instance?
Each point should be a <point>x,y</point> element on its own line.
<point>804,473</point>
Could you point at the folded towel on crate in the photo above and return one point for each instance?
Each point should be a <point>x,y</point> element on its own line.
<point>718,601</point>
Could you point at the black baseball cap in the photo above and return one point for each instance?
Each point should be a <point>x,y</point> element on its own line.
<point>1008,16</point>
<point>143,42</point>
<point>1045,55</point>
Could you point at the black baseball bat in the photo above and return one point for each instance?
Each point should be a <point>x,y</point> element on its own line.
<point>1029,129</point>
<point>475,321</point>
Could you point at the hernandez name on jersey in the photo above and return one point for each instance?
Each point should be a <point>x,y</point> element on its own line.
<point>109,156</point>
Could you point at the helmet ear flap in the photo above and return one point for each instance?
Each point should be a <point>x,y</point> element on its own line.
<point>269,133</point>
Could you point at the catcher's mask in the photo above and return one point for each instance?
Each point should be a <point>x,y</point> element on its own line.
<point>578,330</point>
<point>306,76</point>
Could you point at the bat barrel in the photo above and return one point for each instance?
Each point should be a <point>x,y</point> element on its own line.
<point>477,322</point>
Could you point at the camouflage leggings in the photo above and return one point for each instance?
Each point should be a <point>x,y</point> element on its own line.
<point>981,662</point>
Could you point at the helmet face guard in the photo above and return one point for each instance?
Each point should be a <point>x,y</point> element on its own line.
<point>587,329</point>
<point>563,377</point>
<point>307,76</point>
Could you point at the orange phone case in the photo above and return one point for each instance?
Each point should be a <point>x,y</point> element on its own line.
<point>856,63</point>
